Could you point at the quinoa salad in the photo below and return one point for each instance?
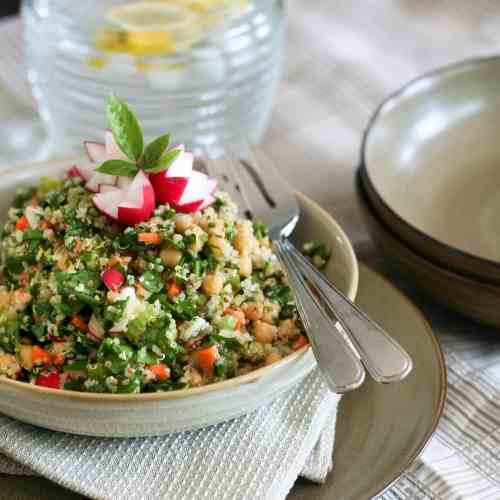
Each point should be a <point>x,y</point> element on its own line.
<point>199,297</point>
<point>133,273</point>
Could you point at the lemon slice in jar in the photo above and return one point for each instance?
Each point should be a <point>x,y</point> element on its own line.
<point>153,16</point>
<point>148,28</point>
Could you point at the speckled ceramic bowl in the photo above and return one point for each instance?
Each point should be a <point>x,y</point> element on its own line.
<point>114,415</point>
<point>430,166</point>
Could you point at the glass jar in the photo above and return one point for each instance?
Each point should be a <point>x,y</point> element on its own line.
<point>204,70</point>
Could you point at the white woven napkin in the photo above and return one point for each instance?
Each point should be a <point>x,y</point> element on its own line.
<point>258,456</point>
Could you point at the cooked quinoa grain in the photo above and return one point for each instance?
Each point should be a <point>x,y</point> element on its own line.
<point>177,301</point>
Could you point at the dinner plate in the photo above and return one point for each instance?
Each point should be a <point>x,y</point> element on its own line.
<point>381,429</point>
<point>430,160</point>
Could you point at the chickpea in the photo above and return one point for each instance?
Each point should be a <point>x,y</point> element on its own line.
<point>244,240</point>
<point>183,222</point>
<point>253,311</point>
<point>198,244</point>
<point>20,299</point>
<point>245,265</point>
<point>139,265</point>
<point>26,356</point>
<point>4,298</point>
<point>272,358</point>
<point>9,365</point>
<point>218,246</point>
<point>196,378</point>
<point>271,312</point>
<point>216,228</point>
<point>264,332</point>
<point>212,284</point>
<point>170,256</point>
<point>287,328</point>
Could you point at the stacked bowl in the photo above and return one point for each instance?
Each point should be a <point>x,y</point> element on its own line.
<point>430,183</point>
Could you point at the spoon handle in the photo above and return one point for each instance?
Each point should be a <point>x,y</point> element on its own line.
<point>383,357</point>
<point>336,358</point>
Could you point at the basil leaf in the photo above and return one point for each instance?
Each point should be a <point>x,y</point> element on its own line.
<point>118,167</point>
<point>155,149</point>
<point>125,127</point>
<point>164,162</point>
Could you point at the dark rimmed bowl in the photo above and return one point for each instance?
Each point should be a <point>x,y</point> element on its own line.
<point>472,298</point>
<point>431,166</point>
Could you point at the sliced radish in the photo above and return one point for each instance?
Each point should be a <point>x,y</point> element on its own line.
<point>96,330</point>
<point>96,151</point>
<point>196,188</point>
<point>51,380</point>
<point>183,164</point>
<point>189,208</point>
<point>113,151</point>
<point>124,182</point>
<point>108,202</point>
<point>105,188</point>
<point>113,279</point>
<point>209,200</point>
<point>198,193</point>
<point>86,169</point>
<point>98,179</point>
<point>170,184</point>
<point>128,206</point>
<point>168,190</point>
<point>139,203</point>
<point>73,172</point>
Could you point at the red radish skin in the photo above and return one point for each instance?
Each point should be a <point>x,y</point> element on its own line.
<point>112,278</point>
<point>189,208</point>
<point>168,189</point>
<point>51,380</point>
<point>128,206</point>
<point>73,172</point>
<point>129,215</point>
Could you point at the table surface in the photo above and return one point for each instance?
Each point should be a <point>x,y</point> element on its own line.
<point>342,58</point>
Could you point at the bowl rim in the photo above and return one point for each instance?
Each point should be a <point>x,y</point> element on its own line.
<point>388,102</point>
<point>251,377</point>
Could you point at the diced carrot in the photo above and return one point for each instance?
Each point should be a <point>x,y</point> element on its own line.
<point>58,359</point>
<point>61,264</point>
<point>161,371</point>
<point>45,224</point>
<point>78,246</point>
<point>141,291</point>
<point>40,357</point>
<point>206,359</point>
<point>300,342</point>
<point>173,289</point>
<point>238,315</point>
<point>22,223</point>
<point>78,322</point>
<point>149,238</point>
<point>118,259</point>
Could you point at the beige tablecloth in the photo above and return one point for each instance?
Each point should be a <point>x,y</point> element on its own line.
<point>342,58</point>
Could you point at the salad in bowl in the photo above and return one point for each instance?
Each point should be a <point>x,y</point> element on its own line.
<point>132,273</point>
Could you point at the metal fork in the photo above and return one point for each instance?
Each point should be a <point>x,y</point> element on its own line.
<point>383,357</point>
<point>336,357</point>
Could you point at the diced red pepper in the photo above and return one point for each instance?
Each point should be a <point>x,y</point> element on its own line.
<point>300,342</point>
<point>112,278</point>
<point>51,380</point>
